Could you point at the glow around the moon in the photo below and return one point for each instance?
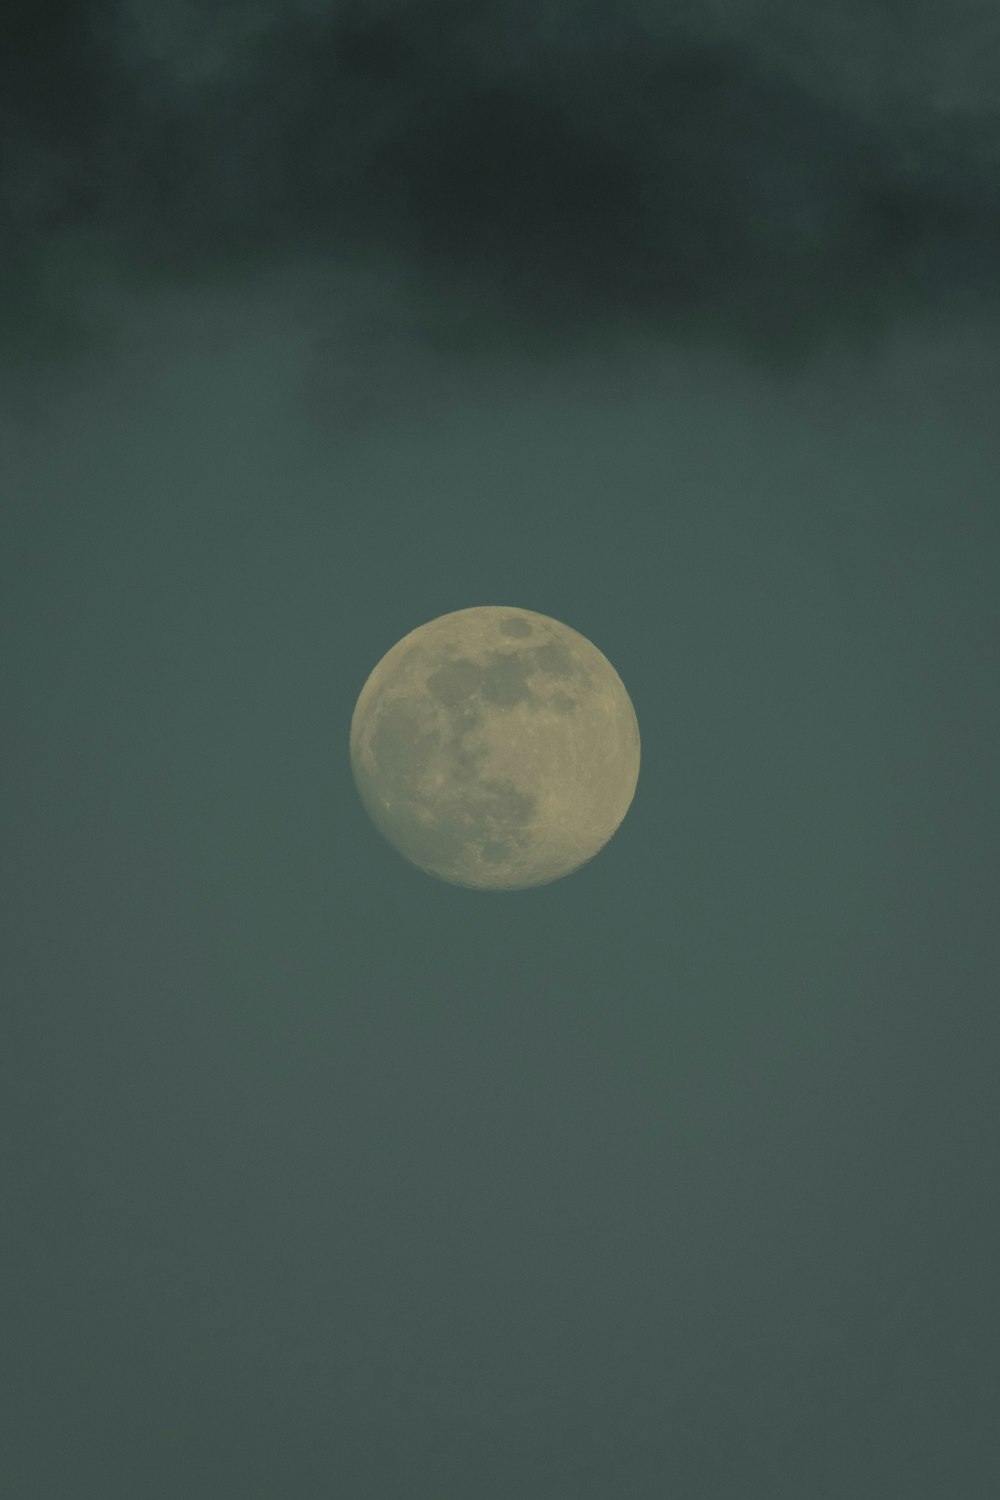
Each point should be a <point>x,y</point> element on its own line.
<point>495,748</point>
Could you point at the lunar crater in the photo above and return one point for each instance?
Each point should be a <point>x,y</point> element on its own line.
<point>515,625</point>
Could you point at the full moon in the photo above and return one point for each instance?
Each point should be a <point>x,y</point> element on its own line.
<point>495,748</point>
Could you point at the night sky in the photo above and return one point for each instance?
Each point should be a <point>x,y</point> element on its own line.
<point>675,1179</point>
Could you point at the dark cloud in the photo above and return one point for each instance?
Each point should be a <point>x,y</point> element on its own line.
<point>536,178</point>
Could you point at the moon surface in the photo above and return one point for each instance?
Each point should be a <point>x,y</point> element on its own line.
<point>495,748</point>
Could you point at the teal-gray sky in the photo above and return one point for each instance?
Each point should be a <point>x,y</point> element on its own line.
<point>677,1176</point>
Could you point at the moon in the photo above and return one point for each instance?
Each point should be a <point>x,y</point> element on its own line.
<point>495,748</point>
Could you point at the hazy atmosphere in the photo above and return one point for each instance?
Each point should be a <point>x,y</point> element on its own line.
<point>675,1177</point>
